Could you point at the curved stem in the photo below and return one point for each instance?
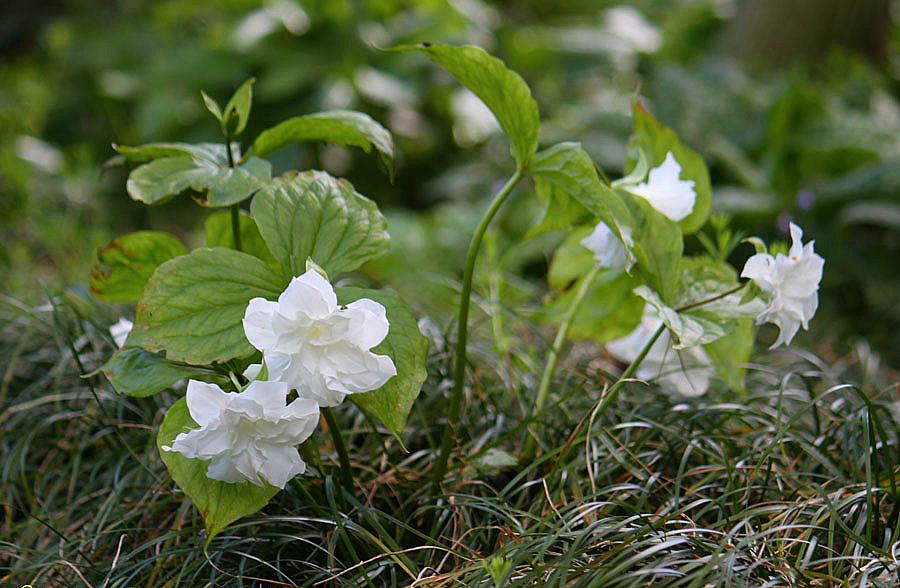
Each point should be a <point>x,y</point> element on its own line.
<point>341,448</point>
<point>459,371</point>
<point>554,352</point>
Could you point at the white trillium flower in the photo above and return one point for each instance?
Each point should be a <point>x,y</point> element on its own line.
<point>249,436</point>
<point>608,249</point>
<point>790,283</point>
<point>667,193</point>
<point>687,371</point>
<point>317,347</point>
<point>120,330</point>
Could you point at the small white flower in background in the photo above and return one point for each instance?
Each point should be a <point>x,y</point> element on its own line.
<point>315,346</point>
<point>790,284</point>
<point>687,371</point>
<point>249,435</point>
<point>666,192</point>
<point>608,249</point>
<point>120,330</point>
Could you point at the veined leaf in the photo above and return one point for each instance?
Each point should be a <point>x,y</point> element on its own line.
<point>139,373</point>
<point>311,214</point>
<point>657,140</point>
<point>341,127</point>
<point>687,329</point>
<point>124,266</point>
<point>162,179</point>
<point>193,305</point>
<point>406,345</point>
<point>218,231</point>
<point>219,503</point>
<point>502,90</point>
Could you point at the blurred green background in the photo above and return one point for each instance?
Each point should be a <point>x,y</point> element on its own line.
<point>794,105</point>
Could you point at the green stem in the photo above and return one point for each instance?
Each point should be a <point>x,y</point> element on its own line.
<point>459,372</point>
<point>610,396</point>
<point>341,447</point>
<point>554,352</point>
<point>235,208</point>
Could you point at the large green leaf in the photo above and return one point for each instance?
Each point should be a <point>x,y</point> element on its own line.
<point>731,353</point>
<point>656,140</point>
<point>502,90</point>
<point>342,127</point>
<point>124,266</point>
<point>406,345</point>
<point>214,152</point>
<point>237,112</point>
<point>571,260</point>
<point>310,214</point>
<point>656,244</point>
<point>193,305</point>
<point>219,233</point>
<point>135,372</point>
<point>565,176</point>
<point>219,503</point>
<point>219,185</point>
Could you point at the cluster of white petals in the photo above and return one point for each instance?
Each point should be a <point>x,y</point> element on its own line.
<point>316,346</point>
<point>248,436</point>
<point>608,249</point>
<point>120,330</point>
<point>687,371</point>
<point>667,193</point>
<point>790,284</point>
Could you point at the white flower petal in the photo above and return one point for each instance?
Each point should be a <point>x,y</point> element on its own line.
<point>667,193</point>
<point>608,249</point>
<point>205,402</point>
<point>310,295</point>
<point>368,324</point>
<point>259,323</point>
<point>272,396</point>
<point>120,331</point>
<point>253,370</point>
<point>280,463</point>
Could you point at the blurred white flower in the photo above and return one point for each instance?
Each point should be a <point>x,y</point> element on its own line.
<point>608,249</point>
<point>317,347</point>
<point>790,284</point>
<point>120,330</point>
<point>666,192</point>
<point>248,436</point>
<point>687,371</point>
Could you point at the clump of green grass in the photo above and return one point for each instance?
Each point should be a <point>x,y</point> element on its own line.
<point>794,483</point>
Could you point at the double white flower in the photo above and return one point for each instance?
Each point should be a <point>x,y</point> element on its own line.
<point>790,283</point>
<point>249,436</point>
<point>317,347</point>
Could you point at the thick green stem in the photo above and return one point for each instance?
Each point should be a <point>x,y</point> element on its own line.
<point>556,349</point>
<point>236,225</point>
<point>459,371</point>
<point>341,448</point>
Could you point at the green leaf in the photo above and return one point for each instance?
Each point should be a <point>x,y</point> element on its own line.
<point>212,106</point>
<point>688,329</point>
<point>237,112</point>
<point>219,234</point>
<point>502,90</point>
<point>656,140</point>
<point>313,215</point>
<point>219,503</point>
<point>193,305</point>
<point>571,260</point>
<point>406,345</point>
<point>568,180</point>
<point>731,353</point>
<point>135,372</point>
<point>657,245</point>
<point>162,179</point>
<point>341,127</point>
<point>213,152</point>
<point>124,266</point>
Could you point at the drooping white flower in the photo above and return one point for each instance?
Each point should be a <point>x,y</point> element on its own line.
<point>120,330</point>
<point>790,284</point>
<point>666,192</point>
<point>248,436</point>
<point>608,249</point>
<point>687,371</point>
<point>315,346</point>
